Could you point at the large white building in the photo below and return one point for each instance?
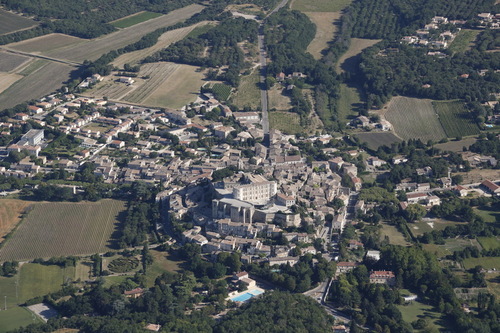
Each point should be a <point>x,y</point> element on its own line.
<point>257,190</point>
<point>32,138</point>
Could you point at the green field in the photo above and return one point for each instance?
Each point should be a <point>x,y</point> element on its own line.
<point>395,236</point>
<point>16,317</point>
<point>416,310</point>
<point>455,119</point>
<point>248,93</point>
<point>64,228</point>
<point>485,262</point>
<point>489,214</point>
<point>286,122</point>
<point>375,140</point>
<point>464,40</point>
<point>162,263</point>
<point>489,243</point>
<point>450,246</point>
<point>320,5</point>
<point>199,31</point>
<point>349,103</point>
<point>134,19</point>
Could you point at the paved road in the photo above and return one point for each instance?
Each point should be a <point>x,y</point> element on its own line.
<point>263,91</point>
<point>27,54</point>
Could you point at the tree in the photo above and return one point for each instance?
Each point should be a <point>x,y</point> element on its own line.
<point>414,212</point>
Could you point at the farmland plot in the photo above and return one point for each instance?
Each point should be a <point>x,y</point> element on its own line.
<point>375,140</point>
<point>414,118</point>
<point>326,28</point>
<point>164,41</point>
<point>63,229</point>
<point>6,80</point>
<point>12,22</point>
<point>45,43</point>
<point>133,19</point>
<point>110,89</point>
<point>42,81</point>
<point>9,61</point>
<point>456,119</point>
<point>94,48</point>
<point>10,212</point>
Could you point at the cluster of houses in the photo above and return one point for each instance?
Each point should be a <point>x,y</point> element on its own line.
<point>435,35</point>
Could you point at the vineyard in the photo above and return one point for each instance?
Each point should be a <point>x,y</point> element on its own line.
<point>456,119</point>
<point>414,118</point>
<point>134,19</point>
<point>63,229</point>
<point>221,91</point>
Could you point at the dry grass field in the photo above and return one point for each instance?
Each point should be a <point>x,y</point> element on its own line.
<point>158,73</point>
<point>248,93</point>
<point>63,229</point>
<point>347,61</point>
<point>286,122</point>
<point>46,43</point>
<point>94,48</point>
<point>10,213</point>
<point>277,100</point>
<point>320,5</point>
<point>6,80</point>
<point>349,103</point>
<point>326,27</point>
<point>9,62</point>
<point>164,41</point>
<point>10,22</point>
<point>110,89</point>
<point>414,118</point>
<point>179,88</point>
<point>41,81</point>
<point>456,146</point>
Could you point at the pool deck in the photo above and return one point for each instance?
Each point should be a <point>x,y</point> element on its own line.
<point>235,294</point>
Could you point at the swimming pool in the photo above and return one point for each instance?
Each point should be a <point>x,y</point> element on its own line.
<point>246,296</point>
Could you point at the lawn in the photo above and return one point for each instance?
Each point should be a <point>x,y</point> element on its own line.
<point>10,213</point>
<point>395,236</point>
<point>15,318</point>
<point>464,40</point>
<point>65,228</point>
<point>450,246</point>
<point>416,310</point>
<point>248,93</point>
<point>162,263</point>
<point>489,243</point>
<point>320,5</point>
<point>349,103</point>
<point>131,20</point>
<point>286,122</point>
<point>485,262</point>
<point>112,280</point>
<point>456,120</point>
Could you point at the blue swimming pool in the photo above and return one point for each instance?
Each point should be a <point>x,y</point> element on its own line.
<point>246,296</point>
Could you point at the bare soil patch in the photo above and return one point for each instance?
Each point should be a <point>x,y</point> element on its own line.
<point>45,43</point>
<point>6,80</point>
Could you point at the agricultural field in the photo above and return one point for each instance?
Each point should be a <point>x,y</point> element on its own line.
<point>45,43</point>
<point>12,22</point>
<point>349,103</point>
<point>222,91</point>
<point>320,5</point>
<point>63,229</point>
<point>48,77</point>
<point>375,140</point>
<point>395,236</point>
<point>326,28</point>
<point>277,100</point>
<point>489,243</point>
<point>6,80</point>
<point>94,48</point>
<point>248,93</point>
<point>10,214</point>
<point>110,89</point>
<point>450,246</point>
<point>485,262</point>
<point>478,175</point>
<point>493,283</point>
<point>414,118</point>
<point>456,146</point>
<point>9,61</point>
<point>464,41</point>
<point>181,87</point>
<point>455,119</point>
<point>286,122</point>
<point>134,19</point>
<point>164,41</point>
<point>348,61</point>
